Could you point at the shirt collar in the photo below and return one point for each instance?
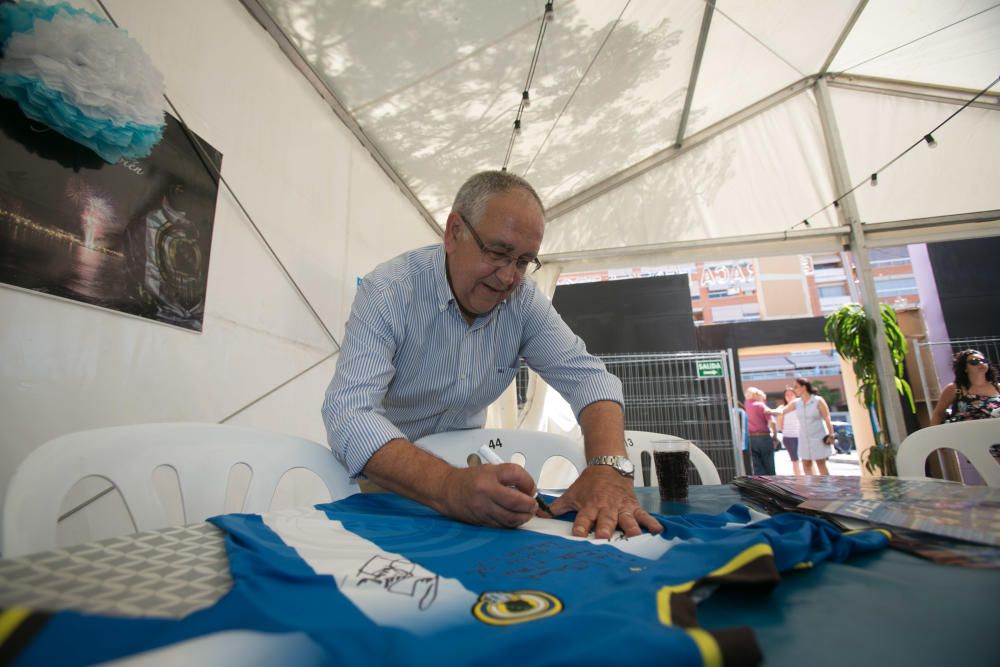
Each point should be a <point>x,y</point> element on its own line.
<point>444,293</point>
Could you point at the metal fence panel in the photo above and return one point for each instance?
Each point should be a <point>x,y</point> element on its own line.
<point>665,393</point>
<point>686,394</point>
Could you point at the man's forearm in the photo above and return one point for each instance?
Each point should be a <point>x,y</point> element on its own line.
<point>603,426</point>
<point>402,467</point>
<point>491,495</point>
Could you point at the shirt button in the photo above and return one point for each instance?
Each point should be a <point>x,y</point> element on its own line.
<point>462,376</point>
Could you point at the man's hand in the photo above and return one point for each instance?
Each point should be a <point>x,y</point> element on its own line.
<point>500,495</point>
<point>604,500</point>
<point>489,495</point>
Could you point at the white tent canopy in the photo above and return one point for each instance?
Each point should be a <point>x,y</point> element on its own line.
<point>658,127</point>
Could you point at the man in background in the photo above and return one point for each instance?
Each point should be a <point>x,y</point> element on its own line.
<point>763,434</point>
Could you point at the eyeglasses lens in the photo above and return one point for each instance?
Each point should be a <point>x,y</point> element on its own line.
<point>977,362</point>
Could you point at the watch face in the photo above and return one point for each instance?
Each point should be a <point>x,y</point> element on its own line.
<point>625,465</point>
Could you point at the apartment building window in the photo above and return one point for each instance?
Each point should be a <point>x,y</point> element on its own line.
<point>832,296</point>
<point>895,286</point>
<point>882,257</point>
<point>723,293</point>
<point>828,269</point>
<point>830,291</point>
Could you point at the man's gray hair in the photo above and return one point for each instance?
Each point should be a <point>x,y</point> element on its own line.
<point>470,202</point>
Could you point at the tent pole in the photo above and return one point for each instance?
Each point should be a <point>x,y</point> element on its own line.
<point>894,427</point>
<point>672,152</point>
<point>706,22</point>
<point>848,27</point>
<point>914,91</point>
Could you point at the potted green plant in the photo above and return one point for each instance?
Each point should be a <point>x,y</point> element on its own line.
<point>852,333</point>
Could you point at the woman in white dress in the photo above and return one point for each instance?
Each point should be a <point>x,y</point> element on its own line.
<point>815,427</point>
<point>788,424</point>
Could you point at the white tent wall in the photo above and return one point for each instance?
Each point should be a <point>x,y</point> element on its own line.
<point>320,200</point>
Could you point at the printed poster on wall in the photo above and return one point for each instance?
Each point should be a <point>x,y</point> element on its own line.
<point>133,237</point>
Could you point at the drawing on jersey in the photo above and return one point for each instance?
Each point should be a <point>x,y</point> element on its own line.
<point>398,576</point>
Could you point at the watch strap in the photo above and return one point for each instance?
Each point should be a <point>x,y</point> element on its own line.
<point>620,464</point>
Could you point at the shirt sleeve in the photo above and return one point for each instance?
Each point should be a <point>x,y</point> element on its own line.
<point>552,350</point>
<point>356,425</point>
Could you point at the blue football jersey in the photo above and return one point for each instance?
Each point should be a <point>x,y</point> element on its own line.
<point>380,580</point>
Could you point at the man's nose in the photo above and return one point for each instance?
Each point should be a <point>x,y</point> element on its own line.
<point>509,274</point>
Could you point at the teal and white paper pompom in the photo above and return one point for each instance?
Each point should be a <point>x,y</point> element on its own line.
<point>81,76</point>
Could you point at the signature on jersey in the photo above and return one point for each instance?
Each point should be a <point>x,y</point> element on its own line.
<point>400,577</point>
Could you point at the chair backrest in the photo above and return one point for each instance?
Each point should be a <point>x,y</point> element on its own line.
<point>536,447</point>
<point>201,454</point>
<point>971,438</point>
<point>637,442</point>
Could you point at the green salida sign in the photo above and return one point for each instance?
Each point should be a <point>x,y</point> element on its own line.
<point>709,368</point>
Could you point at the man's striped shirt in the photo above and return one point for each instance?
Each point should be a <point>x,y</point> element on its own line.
<point>411,365</point>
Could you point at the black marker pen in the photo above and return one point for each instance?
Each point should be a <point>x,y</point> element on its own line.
<point>491,457</point>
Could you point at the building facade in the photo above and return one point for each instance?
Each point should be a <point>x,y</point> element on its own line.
<point>777,288</point>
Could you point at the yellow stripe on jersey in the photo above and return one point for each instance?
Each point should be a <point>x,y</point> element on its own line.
<point>742,559</point>
<point>663,600</point>
<point>10,620</point>
<point>735,563</point>
<point>711,653</point>
<point>868,530</point>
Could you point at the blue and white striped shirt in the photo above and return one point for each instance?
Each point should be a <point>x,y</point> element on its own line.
<point>411,365</point>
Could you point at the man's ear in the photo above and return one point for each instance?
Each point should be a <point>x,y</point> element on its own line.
<point>452,228</point>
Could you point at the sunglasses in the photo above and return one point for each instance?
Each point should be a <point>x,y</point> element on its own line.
<point>976,361</point>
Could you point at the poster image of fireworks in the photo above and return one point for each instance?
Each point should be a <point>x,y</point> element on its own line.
<point>132,237</point>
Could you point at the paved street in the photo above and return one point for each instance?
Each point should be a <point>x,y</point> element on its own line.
<point>839,464</point>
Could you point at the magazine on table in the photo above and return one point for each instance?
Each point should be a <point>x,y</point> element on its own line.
<point>911,506</point>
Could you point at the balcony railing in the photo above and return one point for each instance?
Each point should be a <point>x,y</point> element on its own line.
<point>831,303</point>
<point>830,275</point>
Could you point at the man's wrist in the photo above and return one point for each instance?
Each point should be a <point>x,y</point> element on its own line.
<point>620,465</point>
<point>606,474</point>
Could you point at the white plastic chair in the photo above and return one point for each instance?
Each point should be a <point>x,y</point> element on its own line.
<point>637,442</point>
<point>537,447</point>
<point>127,456</point>
<point>971,438</point>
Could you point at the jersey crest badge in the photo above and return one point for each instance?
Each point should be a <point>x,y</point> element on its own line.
<point>512,607</point>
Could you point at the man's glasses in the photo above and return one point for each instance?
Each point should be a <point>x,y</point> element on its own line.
<point>976,361</point>
<point>502,259</point>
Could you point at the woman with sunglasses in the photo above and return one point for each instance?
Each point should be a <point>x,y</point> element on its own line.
<point>975,393</point>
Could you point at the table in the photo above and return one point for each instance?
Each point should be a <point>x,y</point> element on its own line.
<point>887,608</point>
<point>880,609</point>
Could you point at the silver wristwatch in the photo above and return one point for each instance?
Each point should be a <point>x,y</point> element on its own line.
<point>620,464</point>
